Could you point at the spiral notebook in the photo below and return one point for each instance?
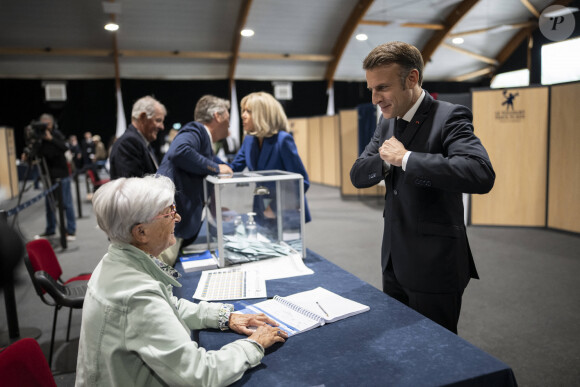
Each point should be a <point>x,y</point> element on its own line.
<point>303,311</point>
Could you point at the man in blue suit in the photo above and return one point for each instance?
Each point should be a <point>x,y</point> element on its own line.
<point>427,154</point>
<point>188,161</point>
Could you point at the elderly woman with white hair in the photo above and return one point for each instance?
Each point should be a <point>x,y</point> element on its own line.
<point>134,332</point>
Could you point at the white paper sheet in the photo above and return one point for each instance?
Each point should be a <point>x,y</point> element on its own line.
<point>279,267</point>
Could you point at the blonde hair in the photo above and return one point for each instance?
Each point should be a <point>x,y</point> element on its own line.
<point>268,115</point>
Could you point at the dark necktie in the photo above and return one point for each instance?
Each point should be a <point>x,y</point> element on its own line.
<point>152,154</point>
<point>400,127</point>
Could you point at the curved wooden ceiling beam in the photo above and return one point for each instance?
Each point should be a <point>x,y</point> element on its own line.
<point>531,8</point>
<point>503,55</point>
<point>518,38</point>
<point>438,37</point>
<point>242,17</point>
<point>500,27</point>
<point>513,43</point>
<point>48,51</point>
<point>286,57</point>
<point>359,10</point>
<point>479,57</point>
<point>474,74</point>
<point>507,50</point>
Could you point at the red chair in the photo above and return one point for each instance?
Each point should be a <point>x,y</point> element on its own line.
<point>45,272</point>
<point>23,364</point>
<point>94,181</point>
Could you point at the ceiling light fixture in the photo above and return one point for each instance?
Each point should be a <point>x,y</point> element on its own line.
<point>247,32</point>
<point>361,37</point>
<point>111,26</point>
<point>457,40</point>
<point>112,9</point>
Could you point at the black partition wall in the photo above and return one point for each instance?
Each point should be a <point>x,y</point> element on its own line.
<point>91,103</point>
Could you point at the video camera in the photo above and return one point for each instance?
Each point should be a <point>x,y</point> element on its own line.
<point>39,129</point>
<point>33,135</point>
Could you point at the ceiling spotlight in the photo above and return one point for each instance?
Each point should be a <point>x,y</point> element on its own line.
<point>457,40</point>
<point>361,37</point>
<point>247,32</point>
<point>112,27</point>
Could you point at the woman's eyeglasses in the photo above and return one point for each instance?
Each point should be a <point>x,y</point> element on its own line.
<point>172,213</point>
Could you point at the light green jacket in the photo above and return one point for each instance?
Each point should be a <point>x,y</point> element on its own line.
<point>134,332</point>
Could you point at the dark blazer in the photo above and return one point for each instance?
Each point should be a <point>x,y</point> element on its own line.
<point>424,232</point>
<point>188,161</point>
<point>130,157</point>
<point>278,152</point>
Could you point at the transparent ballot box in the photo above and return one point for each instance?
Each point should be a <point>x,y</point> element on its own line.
<point>254,215</point>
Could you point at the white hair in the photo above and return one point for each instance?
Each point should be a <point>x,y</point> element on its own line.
<point>146,105</point>
<point>125,202</point>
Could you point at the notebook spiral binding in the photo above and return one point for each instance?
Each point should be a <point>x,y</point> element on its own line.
<point>299,309</point>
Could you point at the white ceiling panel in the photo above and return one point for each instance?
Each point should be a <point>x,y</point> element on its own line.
<point>295,27</point>
<point>182,25</point>
<point>63,23</point>
<point>174,39</point>
<point>288,71</point>
<point>446,64</point>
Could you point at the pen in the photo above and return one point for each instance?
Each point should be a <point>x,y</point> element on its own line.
<point>321,308</point>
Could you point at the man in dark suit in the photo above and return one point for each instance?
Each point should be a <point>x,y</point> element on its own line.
<point>132,155</point>
<point>188,161</point>
<point>427,154</point>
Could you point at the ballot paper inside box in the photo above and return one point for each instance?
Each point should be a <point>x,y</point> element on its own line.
<point>254,215</point>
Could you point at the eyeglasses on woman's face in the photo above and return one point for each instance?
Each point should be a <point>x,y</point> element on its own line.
<point>172,213</point>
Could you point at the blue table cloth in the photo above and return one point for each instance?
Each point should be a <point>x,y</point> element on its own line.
<point>390,345</point>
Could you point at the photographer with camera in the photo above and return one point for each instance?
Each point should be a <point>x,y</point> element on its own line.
<point>51,146</point>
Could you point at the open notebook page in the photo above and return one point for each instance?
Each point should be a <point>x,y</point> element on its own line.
<point>327,304</point>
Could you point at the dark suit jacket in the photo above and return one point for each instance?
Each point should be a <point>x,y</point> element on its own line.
<point>130,157</point>
<point>424,231</point>
<point>188,161</point>
<point>278,152</point>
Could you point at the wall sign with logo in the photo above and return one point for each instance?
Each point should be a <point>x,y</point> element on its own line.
<point>513,126</point>
<point>508,110</point>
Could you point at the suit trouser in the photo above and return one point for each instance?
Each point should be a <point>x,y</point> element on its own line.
<point>442,308</point>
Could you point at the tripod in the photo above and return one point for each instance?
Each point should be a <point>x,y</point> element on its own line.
<point>53,197</point>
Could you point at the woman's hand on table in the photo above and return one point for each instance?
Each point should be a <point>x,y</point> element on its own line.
<point>258,327</point>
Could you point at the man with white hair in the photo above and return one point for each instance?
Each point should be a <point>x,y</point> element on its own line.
<point>132,155</point>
